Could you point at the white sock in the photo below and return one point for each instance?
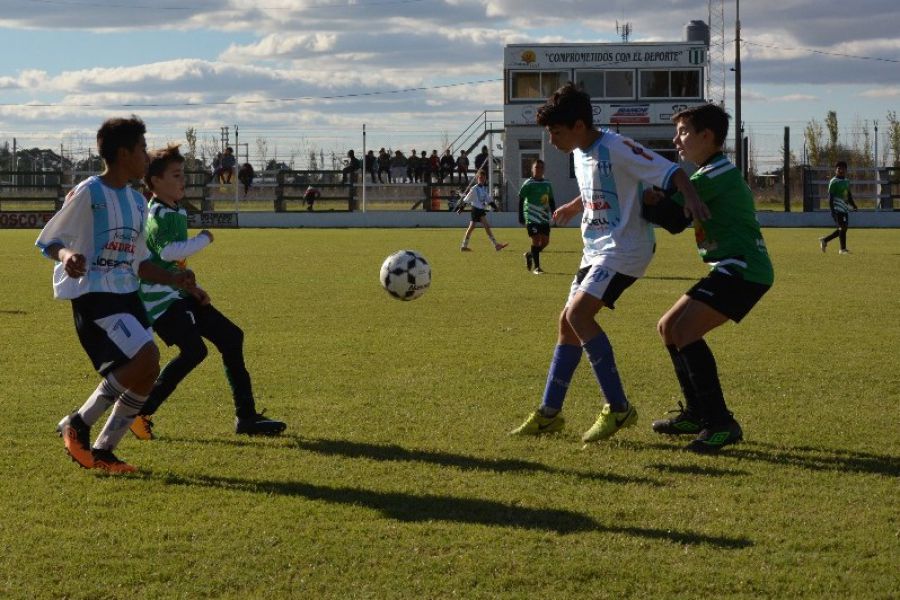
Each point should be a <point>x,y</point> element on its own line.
<point>128,405</point>
<point>99,401</point>
<point>465,243</point>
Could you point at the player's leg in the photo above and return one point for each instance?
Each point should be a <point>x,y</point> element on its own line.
<point>228,339</point>
<point>843,224</point>
<point>602,287</point>
<point>823,242</point>
<point>538,242</point>
<point>467,236</point>
<point>487,228</point>
<point>176,327</point>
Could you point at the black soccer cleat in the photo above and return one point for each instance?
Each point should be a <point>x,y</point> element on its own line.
<point>714,438</point>
<point>258,424</point>
<point>683,423</point>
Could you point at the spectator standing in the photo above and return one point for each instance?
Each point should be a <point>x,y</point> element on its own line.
<point>481,159</point>
<point>462,167</point>
<point>412,167</point>
<point>447,166</point>
<point>424,168</point>
<point>384,165</point>
<point>398,167</point>
<point>371,164</point>
<point>351,168</point>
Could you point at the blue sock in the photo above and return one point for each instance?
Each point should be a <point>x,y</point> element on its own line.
<point>600,354</point>
<point>562,367</point>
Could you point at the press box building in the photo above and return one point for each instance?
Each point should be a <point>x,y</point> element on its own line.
<point>635,89</point>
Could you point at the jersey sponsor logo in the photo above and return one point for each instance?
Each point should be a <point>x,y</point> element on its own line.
<point>119,247</point>
<point>112,264</point>
<point>597,201</point>
<point>637,149</point>
<point>598,223</point>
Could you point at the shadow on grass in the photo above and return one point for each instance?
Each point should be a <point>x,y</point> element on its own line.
<point>804,457</point>
<point>704,470</point>
<point>414,508</point>
<point>393,452</point>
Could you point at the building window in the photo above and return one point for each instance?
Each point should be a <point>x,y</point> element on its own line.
<point>654,84</point>
<point>529,150</point>
<point>620,84</point>
<point>530,85</point>
<point>662,147</point>
<point>671,84</point>
<point>686,84</point>
<point>617,85</point>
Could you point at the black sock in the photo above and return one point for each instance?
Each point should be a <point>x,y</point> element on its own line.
<point>704,376</point>
<point>684,379</point>
<point>536,256</point>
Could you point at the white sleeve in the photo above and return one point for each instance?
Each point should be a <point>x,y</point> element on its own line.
<point>181,250</point>
<point>471,196</point>
<point>642,164</point>
<point>71,226</point>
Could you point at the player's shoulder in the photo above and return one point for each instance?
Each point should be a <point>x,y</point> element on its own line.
<point>716,168</point>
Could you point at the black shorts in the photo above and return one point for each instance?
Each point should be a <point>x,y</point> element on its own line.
<point>186,321</point>
<point>730,294</point>
<point>109,347</point>
<point>841,219</point>
<point>538,229</point>
<point>477,213</point>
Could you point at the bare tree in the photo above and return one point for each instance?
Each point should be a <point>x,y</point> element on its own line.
<point>262,151</point>
<point>190,134</point>
<point>813,135</point>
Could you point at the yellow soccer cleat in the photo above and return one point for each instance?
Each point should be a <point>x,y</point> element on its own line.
<point>538,424</point>
<point>609,422</point>
<point>142,428</point>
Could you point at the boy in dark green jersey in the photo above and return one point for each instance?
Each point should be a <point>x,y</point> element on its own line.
<point>839,201</point>
<point>536,206</point>
<point>185,320</point>
<point>731,242</point>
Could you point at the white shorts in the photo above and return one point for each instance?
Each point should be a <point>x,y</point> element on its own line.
<point>600,282</point>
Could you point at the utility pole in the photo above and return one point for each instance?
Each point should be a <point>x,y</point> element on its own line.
<point>876,144</point>
<point>738,123</point>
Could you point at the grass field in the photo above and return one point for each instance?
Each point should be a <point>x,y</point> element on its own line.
<point>397,478</point>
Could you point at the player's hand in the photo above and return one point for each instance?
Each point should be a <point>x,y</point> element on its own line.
<point>184,280</point>
<point>564,213</point>
<point>200,295</point>
<point>694,208</point>
<point>652,196</point>
<point>208,234</point>
<point>73,263</point>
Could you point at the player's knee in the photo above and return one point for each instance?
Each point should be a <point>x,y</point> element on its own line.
<point>194,353</point>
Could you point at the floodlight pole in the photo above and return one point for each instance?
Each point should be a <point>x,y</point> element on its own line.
<point>363,169</point>
<point>738,123</point>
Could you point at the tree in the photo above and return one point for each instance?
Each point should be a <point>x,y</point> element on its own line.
<point>190,135</point>
<point>893,136</point>
<point>262,151</point>
<point>813,137</point>
<point>831,122</point>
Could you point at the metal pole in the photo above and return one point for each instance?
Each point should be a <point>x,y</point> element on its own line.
<point>363,169</point>
<point>738,134</point>
<point>787,169</point>
<point>234,178</point>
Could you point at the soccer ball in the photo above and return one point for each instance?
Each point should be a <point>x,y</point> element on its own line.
<point>405,275</point>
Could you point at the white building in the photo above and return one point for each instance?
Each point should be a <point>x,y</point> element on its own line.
<point>635,89</point>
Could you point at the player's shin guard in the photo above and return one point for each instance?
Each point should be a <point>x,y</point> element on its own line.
<point>562,367</point>
<point>536,256</point>
<point>600,354</point>
<point>125,410</point>
<point>704,376</point>
<point>684,378</point>
<point>102,398</point>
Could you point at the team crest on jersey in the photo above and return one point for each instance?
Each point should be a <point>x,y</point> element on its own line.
<point>98,206</point>
<point>604,167</point>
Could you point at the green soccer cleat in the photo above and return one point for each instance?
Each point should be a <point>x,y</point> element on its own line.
<point>609,422</point>
<point>538,424</point>
<point>714,438</point>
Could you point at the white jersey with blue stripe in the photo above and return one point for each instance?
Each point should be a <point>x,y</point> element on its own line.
<point>479,197</point>
<point>612,176</point>
<point>106,226</point>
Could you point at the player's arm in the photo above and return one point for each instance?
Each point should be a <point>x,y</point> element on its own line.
<point>850,198</point>
<point>181,250</point>
<point>521,208</point>
<point>73,262</point>
<point>693,206</point>
<point>568,210</point>
<point>72,222</point>
<point>659,207</point>
<point>185,280</point>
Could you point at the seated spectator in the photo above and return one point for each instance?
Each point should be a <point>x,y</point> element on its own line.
<point>398,167</point>
<point>349,171</point>
<point>228,163</point>
<point>311,195</point>
<point>245,176</point>
<point>384,165</point>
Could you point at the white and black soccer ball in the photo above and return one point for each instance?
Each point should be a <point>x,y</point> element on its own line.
<point>405,275</point>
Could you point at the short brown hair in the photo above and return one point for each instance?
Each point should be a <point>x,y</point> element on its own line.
<point>567,105</point>
<point>707,116</point>
<point>160,160</point>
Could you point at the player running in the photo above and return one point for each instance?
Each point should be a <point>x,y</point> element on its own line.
<point>184,320</point>
<point>536,205</point>
<point>612,170</point>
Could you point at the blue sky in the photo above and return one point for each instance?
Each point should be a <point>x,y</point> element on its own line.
<point>71,63</point>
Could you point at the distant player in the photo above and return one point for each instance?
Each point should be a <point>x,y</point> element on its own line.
<point>536,205</point>
<point>97,238</point>
<point>731,242</point>
<point>839,201</point>
<point>310,196</point>
<point>480,199</point>
<point>612,170</point>
<point>184,320</point>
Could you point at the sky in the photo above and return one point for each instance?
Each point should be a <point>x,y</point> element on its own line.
<point>302,75</point>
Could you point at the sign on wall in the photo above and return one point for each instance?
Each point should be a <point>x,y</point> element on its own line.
<point>605,56</point>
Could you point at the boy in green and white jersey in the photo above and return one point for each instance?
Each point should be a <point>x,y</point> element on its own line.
<point>536,206</point>
<point>731,242</point>
<point>839,201</point>
<point>184,320</point>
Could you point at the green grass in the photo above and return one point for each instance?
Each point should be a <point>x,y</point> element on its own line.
<point>397,478</point>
